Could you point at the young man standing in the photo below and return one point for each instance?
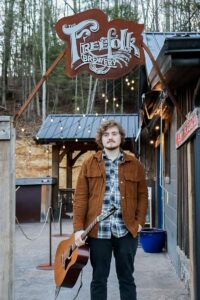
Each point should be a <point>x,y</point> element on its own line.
<point>108,178</point>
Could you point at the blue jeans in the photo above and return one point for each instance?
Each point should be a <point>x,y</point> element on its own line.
<point>124,250</point>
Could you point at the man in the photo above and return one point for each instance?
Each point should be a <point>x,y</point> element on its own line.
<point>111,177</point>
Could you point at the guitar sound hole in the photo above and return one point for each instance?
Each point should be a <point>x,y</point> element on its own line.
<point>66,256</point>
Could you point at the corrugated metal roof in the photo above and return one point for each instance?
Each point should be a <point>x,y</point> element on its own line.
<point>155,42</point>
<point>63,127</point>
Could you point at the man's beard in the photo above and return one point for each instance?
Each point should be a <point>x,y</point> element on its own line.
<point>111,147</point>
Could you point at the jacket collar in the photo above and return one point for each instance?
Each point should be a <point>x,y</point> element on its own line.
<point>127,157</point>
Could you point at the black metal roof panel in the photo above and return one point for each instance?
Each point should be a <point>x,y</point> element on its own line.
<point>66,127</point>
<point>156,40</point>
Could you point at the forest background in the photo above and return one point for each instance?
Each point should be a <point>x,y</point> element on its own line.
<point>29,45</point>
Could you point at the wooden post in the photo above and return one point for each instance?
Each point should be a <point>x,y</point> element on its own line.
<point>191,219</point>
<point>55,173</point>
<point>197,213</point>
<point>7,211</point>
<point>69,169</point>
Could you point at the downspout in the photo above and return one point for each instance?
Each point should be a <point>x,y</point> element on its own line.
<point>162,168</point>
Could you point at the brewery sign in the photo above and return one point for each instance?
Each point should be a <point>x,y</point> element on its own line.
<point>188,128</point>
<point>105,49</point>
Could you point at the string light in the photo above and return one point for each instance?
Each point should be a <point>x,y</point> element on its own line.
<point>23,129</point>
<point>130,83</point>
<point>77,108</point>
<point>51,120</point>
<point>151,142</point>
<point>103,95</point>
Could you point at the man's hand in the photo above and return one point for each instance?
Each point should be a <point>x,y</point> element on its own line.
<point>139,228</point>
<point>78,240</point>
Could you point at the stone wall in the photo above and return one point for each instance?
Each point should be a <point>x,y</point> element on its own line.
<point>34,160</point>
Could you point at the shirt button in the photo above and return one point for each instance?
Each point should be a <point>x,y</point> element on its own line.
<point>123,197</point>
<point>121,182</point>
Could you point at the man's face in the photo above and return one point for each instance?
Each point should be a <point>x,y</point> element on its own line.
<point>111,138</point>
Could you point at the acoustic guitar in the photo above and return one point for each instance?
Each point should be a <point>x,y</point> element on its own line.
<point>70,259</point>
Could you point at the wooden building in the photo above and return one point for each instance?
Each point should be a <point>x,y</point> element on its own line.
<point>170,144</point>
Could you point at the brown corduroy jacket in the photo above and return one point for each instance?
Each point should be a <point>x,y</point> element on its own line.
<point>90,189</point>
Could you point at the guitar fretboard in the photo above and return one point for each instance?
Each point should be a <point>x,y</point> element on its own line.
<point>88,229</point>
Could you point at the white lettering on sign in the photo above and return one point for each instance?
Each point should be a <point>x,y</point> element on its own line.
<point>188,127</point>
<point>117,48</point>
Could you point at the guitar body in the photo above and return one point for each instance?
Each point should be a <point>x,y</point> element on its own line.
<point>69,263</point>
<point>70,260</point>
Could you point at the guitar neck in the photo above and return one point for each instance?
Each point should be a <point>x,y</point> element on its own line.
<point>89,228</point>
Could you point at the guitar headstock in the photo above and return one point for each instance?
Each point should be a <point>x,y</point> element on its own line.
<point>106,214</point>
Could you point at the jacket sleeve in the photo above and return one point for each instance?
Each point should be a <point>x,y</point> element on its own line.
<point>142,201</point>
<point>80,203</point>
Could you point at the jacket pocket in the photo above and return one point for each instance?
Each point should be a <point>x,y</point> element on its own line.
<point>131,184</point>
<point>94,182</point>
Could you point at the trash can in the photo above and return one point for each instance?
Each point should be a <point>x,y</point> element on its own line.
<point>33,198</point>
<point>153,240</point>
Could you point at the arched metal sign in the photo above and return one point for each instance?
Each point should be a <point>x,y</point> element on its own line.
<point>106,49</point>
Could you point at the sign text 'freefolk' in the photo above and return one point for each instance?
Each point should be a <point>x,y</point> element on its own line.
<point>104,49</point>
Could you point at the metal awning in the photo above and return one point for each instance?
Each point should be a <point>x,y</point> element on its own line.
<point>177,56</point>
<point>73,127</point>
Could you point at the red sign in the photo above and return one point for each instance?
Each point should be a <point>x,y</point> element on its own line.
<point>104,49</point>
<point>188,128</point>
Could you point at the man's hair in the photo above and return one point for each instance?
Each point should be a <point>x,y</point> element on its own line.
<point>104,126</point>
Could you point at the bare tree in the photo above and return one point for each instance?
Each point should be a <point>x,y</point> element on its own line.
<point>8,26</point>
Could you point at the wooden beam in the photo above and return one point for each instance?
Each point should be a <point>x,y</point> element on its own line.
<point>69,169</point>
<point>55,172</point>
<point>191,219</point>
<point>77,156</point>
<point>38,85</point>
<point>163,81</point>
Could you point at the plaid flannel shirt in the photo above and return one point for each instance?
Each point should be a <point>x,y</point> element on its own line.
<point>114,224</point>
